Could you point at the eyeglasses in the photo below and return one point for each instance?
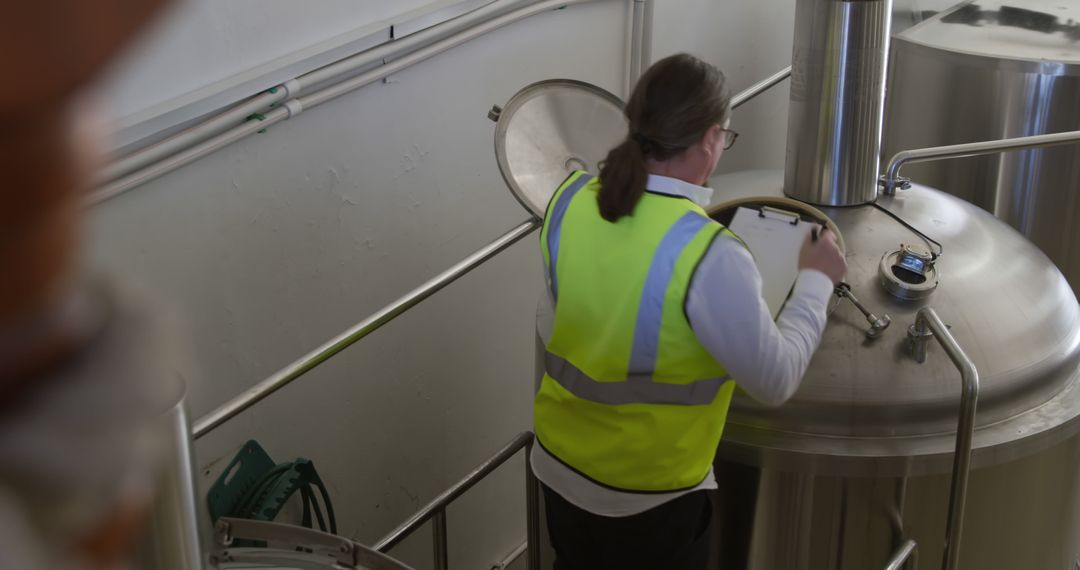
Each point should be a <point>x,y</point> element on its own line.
<point>729,138</point>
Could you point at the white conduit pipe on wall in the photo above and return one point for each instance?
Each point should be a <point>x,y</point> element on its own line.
<point>338,89</point>
<point>265,100</point>
<point>192,135</point>
<point>421,44</point>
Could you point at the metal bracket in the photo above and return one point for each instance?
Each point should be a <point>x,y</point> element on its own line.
<point>918,337</point>
<point>889,187</point>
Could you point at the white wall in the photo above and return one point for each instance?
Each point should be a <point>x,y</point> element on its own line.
<point>278,242</point>
<point>204,54</point>
<point>748,41</point>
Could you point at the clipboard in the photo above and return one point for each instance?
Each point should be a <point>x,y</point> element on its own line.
<point>775,237</point>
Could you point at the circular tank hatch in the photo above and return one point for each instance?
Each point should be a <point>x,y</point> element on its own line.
<point>908,273</point>
<point>550,129</point>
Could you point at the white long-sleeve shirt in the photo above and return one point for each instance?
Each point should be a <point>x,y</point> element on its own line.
<point>731,320</point>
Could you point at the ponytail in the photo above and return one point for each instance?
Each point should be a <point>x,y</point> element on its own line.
<point>622,180</point>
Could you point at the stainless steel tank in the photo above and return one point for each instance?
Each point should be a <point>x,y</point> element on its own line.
<point>994,69</point>
<point>860,457</point>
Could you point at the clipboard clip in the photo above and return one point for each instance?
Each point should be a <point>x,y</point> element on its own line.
<point>781,214</point>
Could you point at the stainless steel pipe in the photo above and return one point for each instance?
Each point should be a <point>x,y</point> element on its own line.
<point>927,320</point>
<point>369,325</point>
<point>907,556</point>
<point>523,440</point>
<point>892,179</point>
<point>760,87</point>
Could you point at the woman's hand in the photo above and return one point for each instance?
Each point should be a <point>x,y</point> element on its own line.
<point>823,255</point>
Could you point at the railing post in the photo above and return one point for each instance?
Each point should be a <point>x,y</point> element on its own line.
<point>438,527</point>
<point>532,511</point>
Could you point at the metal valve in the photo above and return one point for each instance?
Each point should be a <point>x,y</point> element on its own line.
<point>877,325</point>
<point>918,336</point>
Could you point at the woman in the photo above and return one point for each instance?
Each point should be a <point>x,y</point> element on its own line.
<point>657,315</point>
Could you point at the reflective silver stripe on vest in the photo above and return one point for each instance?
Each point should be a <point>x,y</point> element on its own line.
<point>637,389</point>
<point>558,212</point>
<point>651,308</point>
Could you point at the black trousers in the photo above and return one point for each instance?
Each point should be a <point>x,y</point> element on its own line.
<point>673,536</point>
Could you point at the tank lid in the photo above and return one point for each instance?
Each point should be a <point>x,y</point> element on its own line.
<point>551,128</point>
<point>1027,30</point>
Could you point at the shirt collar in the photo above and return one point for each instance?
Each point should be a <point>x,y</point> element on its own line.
<point>674,187</point>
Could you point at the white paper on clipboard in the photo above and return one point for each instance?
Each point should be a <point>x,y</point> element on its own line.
<point>775,241</point>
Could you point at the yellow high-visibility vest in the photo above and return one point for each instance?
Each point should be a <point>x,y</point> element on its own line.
<point>630,399</point>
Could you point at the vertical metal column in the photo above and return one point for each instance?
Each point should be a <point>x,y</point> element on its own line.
<point>839,61</point>
<point>438,528</point>
<point>532,511</point>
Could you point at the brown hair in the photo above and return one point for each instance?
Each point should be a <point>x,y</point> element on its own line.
<point>674,103</point>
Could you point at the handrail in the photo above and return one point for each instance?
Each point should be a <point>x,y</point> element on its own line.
<point>907,555</point>
<point>436,509</point>
<point>928,323</point>
<point>306,363</point>
<point>892,179</point>
<point>760,87</point>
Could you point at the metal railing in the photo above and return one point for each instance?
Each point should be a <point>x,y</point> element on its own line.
<point>435,511</point>
<point>760,87</point>
<point>369,325</point>
<point>928,324</point>
<point>906,556</point>
<point>318,548</point>
<point>891,180</point>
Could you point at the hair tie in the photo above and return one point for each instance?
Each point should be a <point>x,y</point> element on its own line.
<point>643,142</point>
